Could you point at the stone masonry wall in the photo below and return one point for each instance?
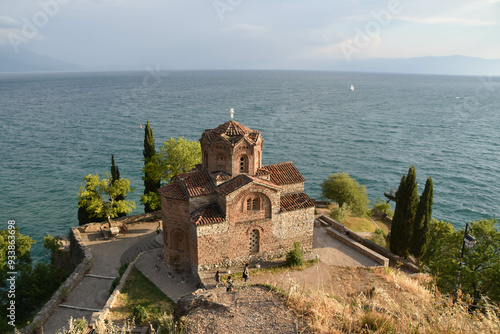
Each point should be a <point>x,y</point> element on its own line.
<point>292,188</point>
<point>226,243</point>
<point>297,225</point>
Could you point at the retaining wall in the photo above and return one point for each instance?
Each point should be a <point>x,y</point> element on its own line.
<point>93,227</point>
<point>394,260</point>
<point>357,246</point>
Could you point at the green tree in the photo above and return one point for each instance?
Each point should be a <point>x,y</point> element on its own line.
<point>339,213</point>
<point>404,214</point>
<point>480,272</point>
<point>383,207</point>
<point>115,176</point>
<point>343,189</point>
<point>151,179</point>
<point>178,156</point>
<point>175,157</point>
<point>115,172</point>
<point>34,285</point>
<point>12,240</point>
<point>423,216</point>
<point>100,197</point>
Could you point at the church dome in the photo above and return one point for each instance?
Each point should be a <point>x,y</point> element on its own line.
<point>232,132</point>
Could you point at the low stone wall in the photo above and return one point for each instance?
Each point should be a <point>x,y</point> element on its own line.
<point>94,227</point>
<point>382,216</point>
<point>102,315</point>
<point>394,260</point>
<point>321,204</point>
<point>80,250</point>
<point>357,246</point>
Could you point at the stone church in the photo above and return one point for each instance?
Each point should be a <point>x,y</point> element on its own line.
<point>232,209</point>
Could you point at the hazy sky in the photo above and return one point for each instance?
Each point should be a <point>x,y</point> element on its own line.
<point>250,34</point>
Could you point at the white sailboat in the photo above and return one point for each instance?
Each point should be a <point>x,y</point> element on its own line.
<point>352,87</point>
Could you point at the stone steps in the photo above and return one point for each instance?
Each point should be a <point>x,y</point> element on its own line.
<point>150,243</point>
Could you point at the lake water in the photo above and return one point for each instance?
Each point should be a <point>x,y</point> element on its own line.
<point>58,127</point>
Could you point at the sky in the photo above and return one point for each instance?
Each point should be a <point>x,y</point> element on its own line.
<point>248,34</point>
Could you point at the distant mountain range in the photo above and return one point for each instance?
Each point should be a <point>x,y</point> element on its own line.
<point>28,61</point>
<point>452,65</point>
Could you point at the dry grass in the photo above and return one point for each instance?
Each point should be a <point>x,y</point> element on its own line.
<point>358,224</point>
<point>408,308</point>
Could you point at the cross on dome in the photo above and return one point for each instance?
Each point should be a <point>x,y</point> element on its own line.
<point>232,113</point>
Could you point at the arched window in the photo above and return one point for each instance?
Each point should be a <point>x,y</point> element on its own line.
<point>243,164</point>
<point>256,204</point>
<point>254,241</point>
<point>253,204</point>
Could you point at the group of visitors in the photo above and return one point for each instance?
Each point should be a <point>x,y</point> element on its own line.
<point>230,282</point>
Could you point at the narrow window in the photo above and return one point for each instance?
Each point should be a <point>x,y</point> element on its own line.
<point>255,204</point>
<point>244,164</point>
<point>254,241</point>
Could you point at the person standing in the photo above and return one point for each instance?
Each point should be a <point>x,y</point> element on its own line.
<point>217,279</point>
<point>246,273</point>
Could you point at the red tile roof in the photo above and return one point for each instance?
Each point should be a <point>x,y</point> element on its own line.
<point>241,181</point>
<point>283,173</point>
<point>190,184</point>
<point>195,183</point>
<point>173,190</point>
<point>293,202</point>
<point>209,214</point>
<point>232,132</point>
<point>221,175</point>
<point>234,184</point>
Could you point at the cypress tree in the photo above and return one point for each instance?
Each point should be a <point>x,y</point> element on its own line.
<point>420,237</point>
<point>115,176</point>
<point>404,214</point>
<point>150,185</point>
<point>398,217</point>
<point>149,143</point>
<point>115,172</point>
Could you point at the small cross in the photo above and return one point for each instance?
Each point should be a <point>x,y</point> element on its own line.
<point>232,113</point>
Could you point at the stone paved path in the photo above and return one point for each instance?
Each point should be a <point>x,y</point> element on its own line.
<point>172,284</point>
<point>94,292</point>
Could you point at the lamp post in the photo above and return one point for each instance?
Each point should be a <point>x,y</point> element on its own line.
<point>469,242</point>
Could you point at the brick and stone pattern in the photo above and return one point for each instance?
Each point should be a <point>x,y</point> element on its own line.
<point>231,209</point>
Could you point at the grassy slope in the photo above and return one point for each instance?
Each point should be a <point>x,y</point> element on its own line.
<point>139,290</point>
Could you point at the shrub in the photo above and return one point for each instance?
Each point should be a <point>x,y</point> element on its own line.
<point>115,283</point>
<point>379,237</point>
<point>295,257</point>
<point>339,214</point>
<point>383,207</point>
<point>140,314</point>
<point>80,326</point>
<point>167,324</point>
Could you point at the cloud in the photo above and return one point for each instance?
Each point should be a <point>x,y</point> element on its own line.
<point>246,30</point>
<point>448,20</point>
<point>9,23</point>
<point>490,2</point>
